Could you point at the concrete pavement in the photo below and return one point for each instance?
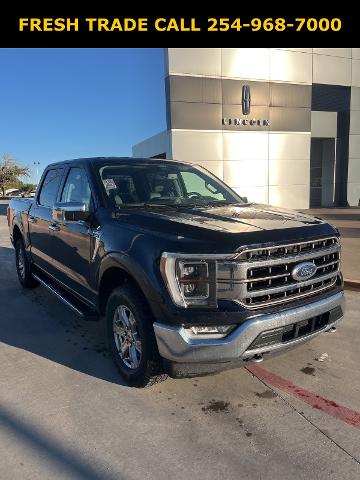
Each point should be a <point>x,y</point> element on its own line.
<point>65,412</point>
<point>347,220</point>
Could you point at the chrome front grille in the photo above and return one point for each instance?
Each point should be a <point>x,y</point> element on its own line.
<point>258,277</point>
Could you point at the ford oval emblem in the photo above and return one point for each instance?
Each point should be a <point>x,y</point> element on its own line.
<point>303,271</point>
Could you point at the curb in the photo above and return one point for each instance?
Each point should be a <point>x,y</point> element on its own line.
<point>352,285</point>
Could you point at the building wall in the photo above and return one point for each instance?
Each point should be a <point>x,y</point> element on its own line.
<point>354,140</point>
<point>156,145</point>
<point>353,189</point>
<point>266,164</point>
<point>293,89</point>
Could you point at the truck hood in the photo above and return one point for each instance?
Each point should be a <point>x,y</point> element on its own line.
<point>209,222</point>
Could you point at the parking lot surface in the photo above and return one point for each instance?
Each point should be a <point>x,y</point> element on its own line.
<point>347,220</point>
<point>65,412</point>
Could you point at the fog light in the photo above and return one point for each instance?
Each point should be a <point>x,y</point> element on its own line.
<point>209,331</point>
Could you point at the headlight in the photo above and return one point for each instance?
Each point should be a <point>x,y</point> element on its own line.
<point>193,278</point>
<point>190,281</point>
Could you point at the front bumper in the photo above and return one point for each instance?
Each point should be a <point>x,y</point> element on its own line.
<point>242,344</point>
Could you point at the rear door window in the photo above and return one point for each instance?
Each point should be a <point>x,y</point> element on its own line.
<point>50,187</point>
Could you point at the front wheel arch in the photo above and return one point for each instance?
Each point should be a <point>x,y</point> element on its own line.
<point>116,268</point>
<point>112,278</point>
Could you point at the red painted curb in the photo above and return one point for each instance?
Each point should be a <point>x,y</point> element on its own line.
<point>328,406</point>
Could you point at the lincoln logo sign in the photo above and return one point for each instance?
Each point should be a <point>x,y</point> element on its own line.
<point>246,106</point>
<point>246,100</point>
<point>303,271</point>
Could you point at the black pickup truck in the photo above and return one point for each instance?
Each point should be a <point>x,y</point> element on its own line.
<point>190,277</point>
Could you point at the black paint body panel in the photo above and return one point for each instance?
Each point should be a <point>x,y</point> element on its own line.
<point>133,240</point>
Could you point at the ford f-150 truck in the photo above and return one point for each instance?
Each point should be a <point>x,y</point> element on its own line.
<point>190,277</point>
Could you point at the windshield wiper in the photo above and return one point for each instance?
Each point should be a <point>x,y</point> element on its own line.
<point>148,205</point>
<point>175,205</point>
<point>219,203</point>
<point>208,204</point>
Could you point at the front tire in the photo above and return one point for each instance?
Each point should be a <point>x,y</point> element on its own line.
<point>23,266</point>
<point>131,337</point>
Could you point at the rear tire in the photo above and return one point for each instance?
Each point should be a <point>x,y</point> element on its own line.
<point>23,266</point>
<point>131,338</point>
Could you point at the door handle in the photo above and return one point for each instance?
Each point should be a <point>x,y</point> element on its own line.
<point>31,219</point>
<point>54,227</point>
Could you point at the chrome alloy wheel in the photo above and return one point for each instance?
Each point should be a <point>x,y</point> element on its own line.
<point>126,335</point>
<point>21,262</point>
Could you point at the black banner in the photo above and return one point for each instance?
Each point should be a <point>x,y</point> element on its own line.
<point>27,27</point>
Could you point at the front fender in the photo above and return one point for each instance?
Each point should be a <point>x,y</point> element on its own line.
<point>150,289</point>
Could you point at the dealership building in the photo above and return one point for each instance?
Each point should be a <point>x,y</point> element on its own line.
<point>279,125</point>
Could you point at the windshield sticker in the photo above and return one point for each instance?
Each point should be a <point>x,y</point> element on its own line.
<point>109,184</point>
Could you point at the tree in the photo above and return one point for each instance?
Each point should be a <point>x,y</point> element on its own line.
<point>28,187</point>
<point>10,171</point>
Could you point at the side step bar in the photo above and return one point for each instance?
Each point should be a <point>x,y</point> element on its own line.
<point>85,313</point>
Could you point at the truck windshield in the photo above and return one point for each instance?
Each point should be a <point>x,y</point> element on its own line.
<point>177,184</point>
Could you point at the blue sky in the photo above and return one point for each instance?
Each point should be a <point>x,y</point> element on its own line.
<point>57,104</point>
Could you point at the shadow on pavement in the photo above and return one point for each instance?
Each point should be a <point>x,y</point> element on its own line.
<point>36,321</point>
<point>34,437</point>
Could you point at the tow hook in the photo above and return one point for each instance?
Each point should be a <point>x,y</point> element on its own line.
<point>256,358</point>
<point>332,330</point>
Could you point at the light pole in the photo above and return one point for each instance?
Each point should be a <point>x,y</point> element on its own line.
<point>37,171</point>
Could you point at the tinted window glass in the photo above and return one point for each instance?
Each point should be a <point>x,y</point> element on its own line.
<point>50,187</point>
<point>175,184</point>
<point>200,185</point>
<point>76,188</point>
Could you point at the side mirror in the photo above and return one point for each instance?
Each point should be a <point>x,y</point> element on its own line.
<point>245,199</point>
<point>70,212</point>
